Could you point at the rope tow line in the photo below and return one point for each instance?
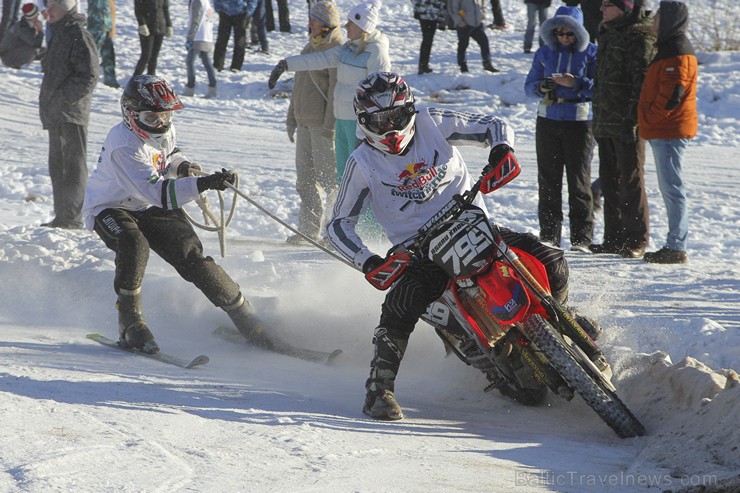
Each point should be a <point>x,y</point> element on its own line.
<point>220,225</point>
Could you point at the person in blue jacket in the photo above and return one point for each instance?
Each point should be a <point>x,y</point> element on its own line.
<point>562,77</point>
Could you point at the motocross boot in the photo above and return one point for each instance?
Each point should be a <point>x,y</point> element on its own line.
<point>249,325</point>
<point>133,331</point>
<point>390,346</point>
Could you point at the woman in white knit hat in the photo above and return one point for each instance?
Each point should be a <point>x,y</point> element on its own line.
<point>365,52</point>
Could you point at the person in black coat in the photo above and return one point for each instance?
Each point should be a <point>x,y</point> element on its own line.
<point>154,21</point>
<point>70,75</point>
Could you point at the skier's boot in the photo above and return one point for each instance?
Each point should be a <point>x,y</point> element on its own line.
<point>249,325</point>
<point>133,331</point>
<point>390,346</point>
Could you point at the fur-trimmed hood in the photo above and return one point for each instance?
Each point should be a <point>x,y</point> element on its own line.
<point>570,19</point>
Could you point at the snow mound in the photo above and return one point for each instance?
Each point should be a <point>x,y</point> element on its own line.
<point>691,413</point>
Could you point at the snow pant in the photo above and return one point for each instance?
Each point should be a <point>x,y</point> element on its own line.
<point>130,234</point>
<point>11,12</point>
<point>107,56</point>
<point>150,46</point>
<point>205,58</point>
<point>498,14</point>
<point>591,17</point>
<point>68,171</point>
<point>668,154</point>
<point>226,23</point>
<point>258,31</point>
<point>534,13</point>
<point>283,16</point>
<point>428,28</point>
<point>422,283</point>
<point>622,175</point>
<point>565,145</point>
<point>315,173</point>
<point>478,33</point>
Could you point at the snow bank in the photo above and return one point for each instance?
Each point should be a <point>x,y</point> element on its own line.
<point>691,413</point>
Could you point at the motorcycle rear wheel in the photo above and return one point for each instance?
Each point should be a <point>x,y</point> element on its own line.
<point>602,400</point>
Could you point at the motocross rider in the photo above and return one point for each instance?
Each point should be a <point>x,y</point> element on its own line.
<point>407,168</point>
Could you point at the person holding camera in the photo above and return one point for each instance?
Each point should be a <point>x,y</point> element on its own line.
<point>562,77</point>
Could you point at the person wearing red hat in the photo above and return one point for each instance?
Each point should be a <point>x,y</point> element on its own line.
<point>22,42</point>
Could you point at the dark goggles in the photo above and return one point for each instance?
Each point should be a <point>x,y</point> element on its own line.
<point>384,121</point>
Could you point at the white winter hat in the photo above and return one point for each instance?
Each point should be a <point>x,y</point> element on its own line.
<point>366,15</point>
<point>65,5</point>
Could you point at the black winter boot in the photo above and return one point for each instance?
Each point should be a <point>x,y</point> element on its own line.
<point>488,66</point>
<point>246,321</point>
<point>133,331</point>
<point>390,346</point>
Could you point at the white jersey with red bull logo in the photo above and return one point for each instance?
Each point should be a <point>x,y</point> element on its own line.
<point>133,175</point>
<point>405,191</point>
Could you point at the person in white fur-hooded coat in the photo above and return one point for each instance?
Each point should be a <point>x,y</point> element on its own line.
<point>365,52</point>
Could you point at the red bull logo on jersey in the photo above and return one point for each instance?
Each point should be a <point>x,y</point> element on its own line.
<point>417,181</point>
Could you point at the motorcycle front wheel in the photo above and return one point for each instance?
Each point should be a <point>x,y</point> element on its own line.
<point>602,400</point>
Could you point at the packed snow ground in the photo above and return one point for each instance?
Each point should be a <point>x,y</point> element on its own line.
<point>77,416</point>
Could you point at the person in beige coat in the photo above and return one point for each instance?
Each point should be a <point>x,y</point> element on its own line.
<point>310,124</point>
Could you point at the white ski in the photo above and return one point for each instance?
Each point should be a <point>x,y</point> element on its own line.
<point>163,357</point>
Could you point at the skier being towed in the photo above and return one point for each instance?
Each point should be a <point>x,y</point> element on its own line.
<point>407,168</point>
<point>133,202</point>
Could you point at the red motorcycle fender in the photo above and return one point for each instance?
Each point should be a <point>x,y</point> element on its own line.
<point>535,267</point>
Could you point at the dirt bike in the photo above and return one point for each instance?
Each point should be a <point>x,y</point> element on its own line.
<point>497,313</point>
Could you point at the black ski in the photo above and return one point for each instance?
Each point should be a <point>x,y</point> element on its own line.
<point>232,335</point>
<point>163,357</point>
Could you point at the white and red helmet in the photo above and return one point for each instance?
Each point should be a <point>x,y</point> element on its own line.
<point>148,104</point>
<point>384,105</point>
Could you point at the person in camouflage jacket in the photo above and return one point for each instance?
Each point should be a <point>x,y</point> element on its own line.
<point>70,75</point>
<point>101,18</point>
<point>625,49</point>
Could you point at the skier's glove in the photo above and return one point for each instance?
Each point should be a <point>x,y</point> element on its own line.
<point>169,32</point>
<point>281,67</point>
<point>144,30</point>
<point>216,181</point>
<point>372,263</point>
<point>186,168</point>
<point>547,85</point>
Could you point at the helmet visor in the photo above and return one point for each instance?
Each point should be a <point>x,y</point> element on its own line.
<point>384,121</point>
<point>156,119</point>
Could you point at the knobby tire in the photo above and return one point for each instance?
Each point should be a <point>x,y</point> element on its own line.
<point>605,402</point>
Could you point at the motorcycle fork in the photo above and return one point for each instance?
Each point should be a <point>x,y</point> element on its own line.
<point>566,324</point>
<point>543,371</point>
<point>560,318</point>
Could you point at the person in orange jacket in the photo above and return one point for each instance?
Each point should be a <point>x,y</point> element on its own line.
<point>667,119</point>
